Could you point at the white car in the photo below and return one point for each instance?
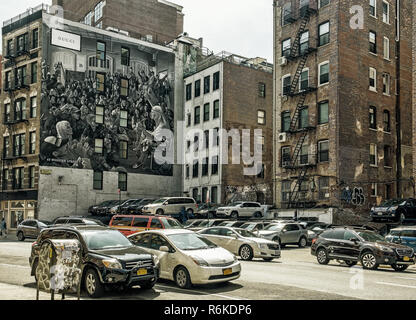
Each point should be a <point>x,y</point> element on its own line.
<point>187,257</point>
<point>166,206</point>
<point>241,209</point>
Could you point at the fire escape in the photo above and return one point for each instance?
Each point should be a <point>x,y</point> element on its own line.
<point>299,53</point>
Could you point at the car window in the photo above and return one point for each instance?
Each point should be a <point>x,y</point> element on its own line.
<point>213,231</point>
<point>30,223</point>
<point>329,234</point>
<point>74,221</point>
<point>140,222</point>
<point>408,233</point>
<point>62,235</point>
<point>122,221</point>
<point>61,221</point>
<point>156,224</point>
<point>338,234</point>
<point>140,239</point>
<point>171,223</point>
<point>157,241</point>
<point>348,235</point>
<point>395,233</point>
<point>226,232</point>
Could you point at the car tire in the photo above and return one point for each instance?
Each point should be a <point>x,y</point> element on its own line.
<point>234,215</point>
<point>402,217</point>
<point>20,236</point>
<point>93,285</point>
<point>322,256</point>
<point>182,278</point>
<point>246,252</point>
<point>268,259</point>
<point>257,215</point>
<point>159,212</point>
<point>148,285</point>
<point>350,263</point>
<point>369,261</point>
<point>302,242</point>
<point>190,212</point>
<point>399,267</point>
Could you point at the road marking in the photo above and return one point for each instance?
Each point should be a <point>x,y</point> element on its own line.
<point>406,278</point>
<point>201,292</point>
<point>397,285</point>
<point>13,265</point>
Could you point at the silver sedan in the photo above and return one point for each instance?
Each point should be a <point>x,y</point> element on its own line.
<point>187,257</point>
<point>243,243</point>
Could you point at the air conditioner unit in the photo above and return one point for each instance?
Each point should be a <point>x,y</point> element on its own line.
<point>282,61</point>
<point>282,137</point>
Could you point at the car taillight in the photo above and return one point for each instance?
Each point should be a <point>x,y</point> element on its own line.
<point>34,244</point>
<point>313,241</point>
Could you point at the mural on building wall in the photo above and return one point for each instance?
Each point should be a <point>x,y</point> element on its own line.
<point>254,193</point>
<point>189,60</point>
<point>111,123</point>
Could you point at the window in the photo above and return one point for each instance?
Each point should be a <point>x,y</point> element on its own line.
<point>98,11</point>
<point>386,12</point>
<point>285,156</point>
<point>6,146</point>
<point>34,72</point>
<point>373,117</point>
<point>286,190</point>
<point>386,84</point>
<point>216,109</point>
<point>125,56</point>
<point>386,121</point>
<point>98,180</point>
<point>323,112</point>
<point>188,119</point>
<point>323,151</point>
<point>262,172</point>
<point>286,83</point>
<point>99,146</point>
<point>387,157</point>
<point>373,8</point>
<point>261,117</point>
<point>123,118</point>
<point>374,190</point>
<point>216,81</point>
<point>197,88</point>
<point>206,112</point>
<point>187,171</point>
<point>323,73</point>
<point>20,110</point>
<point>214,165</point>
<point>324,33</point>
<point>32,145</point>
<point>205,167</point>
<point>386,48</point>
<point>373,79</point>
<point>197,115</point>
<point>373,155</point>
<point>124,87</point>
<point>100,81</point>
<point>323,184</point>
<point>216,137</point>
<point>304,155</point>
<point>188,92</point>
<point>286,121</point>
<point>207,83</point>
<point>88,19</point>
<point>21,77</point>
<point>206,135</point>
<point>18,178</point>
<point>262,90</point>
<point>123,149</point>
<point>286,47</point>
<point>99,114</point>
<point>195,193</point>
<point>5,180</point>
<point>22,43</point>
<point>195,169</point>
<point>101,51</point>
<point>303,118</point>
<point>8,80</point>
<point>19,145</point>
<point>10,47</point>
<point>33,107</point>
<point>287,14</point>
<point>323,3</point>
<point>122,181</point>
<point>7,117</point>
<point>196,142</point>
<point>373,42</point>
<point>214,195</point>
<point>31,177</point>
<point>304,80</point>
<point>304,42</point>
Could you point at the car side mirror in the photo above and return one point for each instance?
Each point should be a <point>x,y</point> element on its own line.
<point>284,230</point>
<point>355,240</point>
<point>164,249</point>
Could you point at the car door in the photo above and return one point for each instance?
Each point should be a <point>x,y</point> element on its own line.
<point>167,259</point>
<point>349,247</point>
<point>411,209</point>
<point>292,231</point>
<point>230,240</point>
<point>155,224</point>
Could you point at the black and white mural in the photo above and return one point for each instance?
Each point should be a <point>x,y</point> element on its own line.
<point>97,113</point>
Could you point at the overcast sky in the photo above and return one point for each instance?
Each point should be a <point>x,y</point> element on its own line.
<point>226,25</point>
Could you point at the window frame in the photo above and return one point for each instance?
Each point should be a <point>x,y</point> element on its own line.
<point>375,162</point>
<point>320,84</point>
<point>94,180</point>
<point>387,20</point>
<point>373,88</point>
<point>372,42</point>
<point>259,117</point>
<point>122,185</point>
<point>32,142</point>
<point>320,104</point>
<point>374,109</point>
<point>321,151</point>
<point>322,37</point>
<point>125,62</point>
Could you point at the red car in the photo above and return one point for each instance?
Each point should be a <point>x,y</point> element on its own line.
<point>130,224</point>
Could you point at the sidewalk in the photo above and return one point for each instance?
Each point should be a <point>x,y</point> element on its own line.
<point>13,292</point>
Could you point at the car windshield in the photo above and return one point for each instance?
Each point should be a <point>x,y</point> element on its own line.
<point>203,223</point>
<point>159,201</point>
<point>371,236</point>
<point>274,227</point>
<point>125,204</point>
<point>171,224</point>
<point>393,202</point>
<point>248,226</point>
<point>245,233</point>
<point>191,241</point>
<point>146,201</point>
<point>44,223</point>
<point>105,239</point>
<point>233,204</point>
<point>226,224</point>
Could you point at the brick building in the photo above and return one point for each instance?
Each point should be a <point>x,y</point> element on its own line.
<point>343,102</point>
<point>158,21</point>
<point>227,91</point>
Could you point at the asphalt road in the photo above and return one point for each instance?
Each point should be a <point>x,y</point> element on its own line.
<point>296,275</point>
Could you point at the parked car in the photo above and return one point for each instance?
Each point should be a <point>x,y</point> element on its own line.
<point>207,210</point>
<point>243,243</point>
<point>118,207</point>
<point>398,210</point>
<point>75,220</point>
<point>206,224</point>
<point>403,235</point>
<point>30,229</point>
<point>286,233</point>
<point>188,258</point>
<point>241,209</point>
<point>102,208</point>
<point>232,224</point>
<point>166,206</point>
<point>354,245</point>
<point>255,227</point>
<point>315,230</point>
<point>129,224</point>
<point>109,259</point>
<point>137,206</point>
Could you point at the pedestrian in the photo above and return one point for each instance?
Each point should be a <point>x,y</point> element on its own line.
<point>3,228</point>
<point>183,216</point>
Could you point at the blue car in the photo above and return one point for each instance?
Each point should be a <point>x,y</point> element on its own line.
<point>403,235</point>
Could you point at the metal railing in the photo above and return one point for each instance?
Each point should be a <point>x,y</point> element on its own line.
<point>27,13</point>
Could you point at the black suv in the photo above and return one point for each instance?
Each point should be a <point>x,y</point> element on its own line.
<point>109,259</point>
<point>353,245</point>
<point>398,210</point>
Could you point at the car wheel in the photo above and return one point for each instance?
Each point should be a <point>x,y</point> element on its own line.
<point>399,267</point>
<point>246,253</point>
<point>302,242</point>
<point>234,215</point>
<point>20,236</point>
<point>402,217</point>
<point>148,285</point>
<point>369,261</point>
<point>182,278</point>
<point>159,212</point>
<point>257,215</point>
<point>190,212</point>
<point>93,286</point>
<point>350,263</point>
<point>322,256</point>
<point>268,259</point>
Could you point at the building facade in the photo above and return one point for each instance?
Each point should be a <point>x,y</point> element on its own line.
<point>342,102</point>
<point>227,92</point>
<point>157,21</point>
<point>88,115</point>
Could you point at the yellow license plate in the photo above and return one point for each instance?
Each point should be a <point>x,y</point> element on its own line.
<point>141,272</point>
<point>406,259</point>
<point>227,272</point>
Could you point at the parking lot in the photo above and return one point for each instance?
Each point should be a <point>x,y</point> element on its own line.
<point>296,275</point>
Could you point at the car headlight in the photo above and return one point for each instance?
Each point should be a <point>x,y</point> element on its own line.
<point>235,258</point>
<point>156,260</point>
<point>199,261</point>
<point>384,248</point>
<point>263,246</point>
<point>112,264</point>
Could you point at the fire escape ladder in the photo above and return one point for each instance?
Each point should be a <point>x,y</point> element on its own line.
<point>294,194</point>
<point>298,148</point>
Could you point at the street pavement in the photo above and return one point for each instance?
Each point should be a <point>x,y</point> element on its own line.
<point>295,276</point>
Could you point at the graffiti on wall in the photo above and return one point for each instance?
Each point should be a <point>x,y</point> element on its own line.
<point>253,193</point>
<point>354,196</point>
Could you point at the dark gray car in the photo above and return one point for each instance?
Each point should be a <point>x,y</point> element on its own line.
<point>286,233</point>
<point>30,229</point>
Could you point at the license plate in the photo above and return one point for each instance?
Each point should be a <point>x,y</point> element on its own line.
<point>227,272</point>
<point>380,213</point>
<point>406,259</point>
<point>141,272</point>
